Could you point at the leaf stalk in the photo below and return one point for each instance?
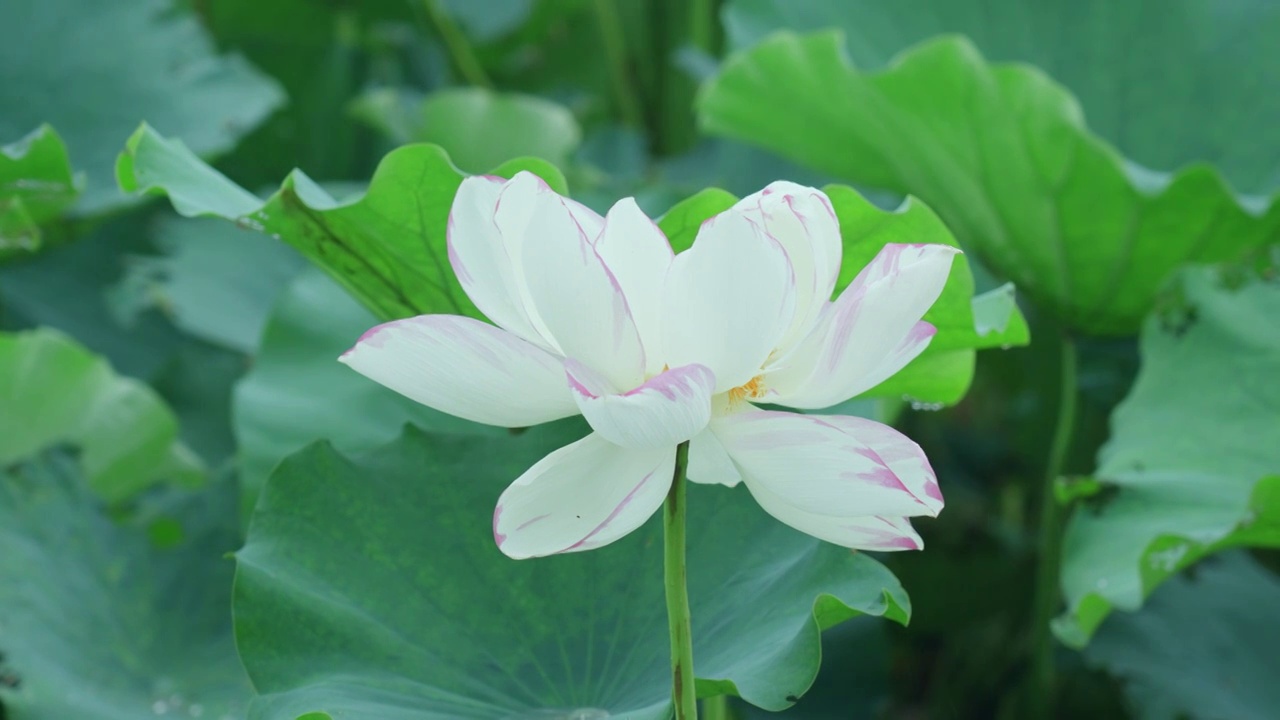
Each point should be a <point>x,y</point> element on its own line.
<point>1049,545</point>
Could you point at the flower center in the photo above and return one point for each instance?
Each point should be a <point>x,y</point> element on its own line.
<point>752,389</point>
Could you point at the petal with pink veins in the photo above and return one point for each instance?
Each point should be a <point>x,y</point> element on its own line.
<point>466,368</point>
<point>488,218</point>
<point>581,497</point>
<point>668,409</point>
<point>578,299</point>
<point>804,223</point>
<point>899,453</point>
<point>638,255</point>
<point>589,220</point>
<point>916,342</point>
<point>859,532</point>
<point>869,333</point>
<point>830,465</point>
<point>727,300</point>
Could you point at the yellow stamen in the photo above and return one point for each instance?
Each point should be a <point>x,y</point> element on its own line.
<point>753,388</point>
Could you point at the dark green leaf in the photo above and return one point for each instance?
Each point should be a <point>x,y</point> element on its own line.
<point>1204,647</point>
<point>371,587</point>
<point>387,247</point>
<point>298,392</point>
<point>107,621</point>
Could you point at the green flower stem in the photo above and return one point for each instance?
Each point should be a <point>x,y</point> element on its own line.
<point>683,693</point>
<point>464,59</point>
<point>716,708</point>
<point>1050,543</point>
<point>615,46</point>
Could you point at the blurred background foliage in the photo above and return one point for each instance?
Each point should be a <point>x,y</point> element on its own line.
<point>1088,151</point>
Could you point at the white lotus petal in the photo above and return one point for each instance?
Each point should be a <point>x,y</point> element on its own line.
<point>874,323</point>
<point>466,368</point>
<point>860,532</point>
<point>638,255</point>
<point>579,301</point>
<point>727,300</point>
<point>825,466</point>
<point>478,248</point>
<point>802,220</point>
<point>670,408</point>
<point>580,497</point>
<point>709,463</point>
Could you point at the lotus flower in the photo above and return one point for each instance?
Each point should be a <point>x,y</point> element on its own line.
<point>597,316</point>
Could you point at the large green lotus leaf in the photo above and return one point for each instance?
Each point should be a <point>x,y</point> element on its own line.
<point>215,281</point>
<point>855,680</point>
<point>1002,153</point>
<point>370,586</point>
<point>941,375</point>
<point>36,185</point>
<point>115,621</point>
<point>479,128</point>
<point>297,392</point>
<point>55,391</point>
<point>94,70</point>
<point>386,247</point>
<point>1204,647</point>
<point>1119,58</point>
<point>1194,456</point>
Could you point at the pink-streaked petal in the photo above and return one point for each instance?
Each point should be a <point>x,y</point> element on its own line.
<point>486,224</point>
<point>804,223</point>
<point>822,467</point>
<point>580,497</point>
<point>899,453</point>
<point>709,463</point>
<point>668,409</point>
<point>874,324</point>
<point>727,300</point>
<point>589,220</point>
<point>638,255</point>
<point>578,299</point>
<point>466,368</point>
<point>916,342</point>
<point>859,532</point>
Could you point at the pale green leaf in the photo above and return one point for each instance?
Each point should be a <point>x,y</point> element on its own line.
<point>1004,156</point>
<point>1194,455</point>
<point>36,186</point>
<point>55,391</point>
<point>479,128</point>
